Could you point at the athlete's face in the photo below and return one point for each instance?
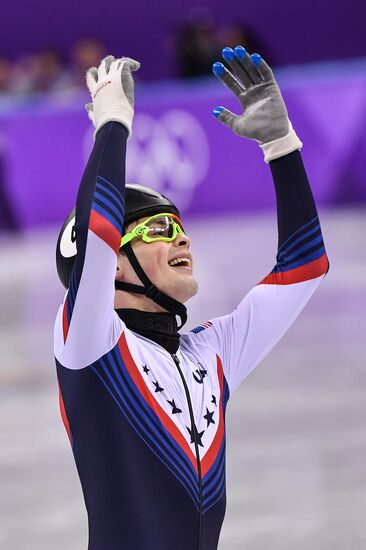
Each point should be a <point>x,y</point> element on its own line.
<point>159,261</point>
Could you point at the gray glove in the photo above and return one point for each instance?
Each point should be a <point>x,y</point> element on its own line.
<point>265,116</point>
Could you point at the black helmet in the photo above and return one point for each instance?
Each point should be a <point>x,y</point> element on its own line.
<point>66,249</point>
<point>140,201</point>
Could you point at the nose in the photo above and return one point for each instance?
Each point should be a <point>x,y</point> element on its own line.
<point>182,240</point>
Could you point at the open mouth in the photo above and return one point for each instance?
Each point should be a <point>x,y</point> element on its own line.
<point>180,262</point>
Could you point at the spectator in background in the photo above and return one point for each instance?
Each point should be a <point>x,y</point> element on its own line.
<point>86,53</point>
<point>44,71</point>
<point>235,34</point>
<point>199,42</point>
<point>196,44</point>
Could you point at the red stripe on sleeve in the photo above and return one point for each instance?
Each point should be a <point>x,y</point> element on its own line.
<point>65,321</point>
<point>299,274</point>
<point>105,230</point>
<point>65,420</point>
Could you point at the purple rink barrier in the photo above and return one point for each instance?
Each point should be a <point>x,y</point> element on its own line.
<point>180,149</point>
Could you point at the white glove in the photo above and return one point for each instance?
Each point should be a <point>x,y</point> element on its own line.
<point>112,89</point>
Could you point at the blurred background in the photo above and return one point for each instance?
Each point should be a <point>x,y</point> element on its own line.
<point>296,428</point>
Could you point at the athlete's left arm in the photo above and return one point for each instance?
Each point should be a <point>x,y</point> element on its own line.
<point>243,338</point>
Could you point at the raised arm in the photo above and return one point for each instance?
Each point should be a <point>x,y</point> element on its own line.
<point>244,337</point>
<point>86,326</point>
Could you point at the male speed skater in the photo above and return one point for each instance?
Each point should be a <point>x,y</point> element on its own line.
<point>143,404</point>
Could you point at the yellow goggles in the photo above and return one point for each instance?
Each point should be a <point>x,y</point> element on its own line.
<point>161,227</point>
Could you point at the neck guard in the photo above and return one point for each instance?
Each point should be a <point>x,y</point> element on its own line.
<point>160,327</point>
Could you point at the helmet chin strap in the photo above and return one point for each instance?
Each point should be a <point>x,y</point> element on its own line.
<point>150,290</point>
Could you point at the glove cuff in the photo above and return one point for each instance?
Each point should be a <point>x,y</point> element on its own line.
<point>123,116</point>
<point>281,147</point>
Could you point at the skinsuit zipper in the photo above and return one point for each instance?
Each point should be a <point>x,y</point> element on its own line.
<point>194,436</point>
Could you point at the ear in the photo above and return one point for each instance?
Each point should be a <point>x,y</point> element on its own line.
<point>118,268</point>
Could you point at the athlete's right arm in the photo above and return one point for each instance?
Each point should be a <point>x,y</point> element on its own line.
<point>244,337</point>
<point>86,326</point>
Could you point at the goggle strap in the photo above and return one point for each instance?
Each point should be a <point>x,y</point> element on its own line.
<point>137,267</point>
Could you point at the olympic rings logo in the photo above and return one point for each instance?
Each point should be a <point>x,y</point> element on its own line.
<point>170,154</point>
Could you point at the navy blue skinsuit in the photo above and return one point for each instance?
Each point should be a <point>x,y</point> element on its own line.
<point>147,427</point>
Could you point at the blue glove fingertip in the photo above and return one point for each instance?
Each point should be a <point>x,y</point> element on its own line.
<point>217,111</point>
<point>240,52</point>
<point>218,69</point>
<point>256,59</point>
<point>228,54</point>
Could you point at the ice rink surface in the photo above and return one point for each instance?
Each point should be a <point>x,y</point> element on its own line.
<point>296,428</point>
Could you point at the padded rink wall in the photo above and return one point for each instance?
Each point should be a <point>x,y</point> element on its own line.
<point>179,148</point>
